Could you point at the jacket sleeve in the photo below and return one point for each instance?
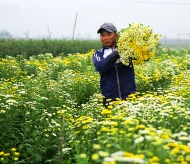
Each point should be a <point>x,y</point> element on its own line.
<point>102,64</point>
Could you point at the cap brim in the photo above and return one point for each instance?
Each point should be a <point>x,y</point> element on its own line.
<point>104,29</point>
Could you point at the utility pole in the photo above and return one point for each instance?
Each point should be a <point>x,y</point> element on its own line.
<point>49,33</point>
<point>74,26</point>
<point>165,40</point>
<point>27,34</point>
<point>178,40</point>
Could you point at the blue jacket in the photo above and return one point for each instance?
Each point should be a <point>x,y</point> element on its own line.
<point>117,80</point>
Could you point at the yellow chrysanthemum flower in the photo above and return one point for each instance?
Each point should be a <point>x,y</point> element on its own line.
<point>136,44</point>
<point>95,157</point>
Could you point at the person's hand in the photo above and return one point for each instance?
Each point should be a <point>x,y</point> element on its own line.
<point>120,55</point>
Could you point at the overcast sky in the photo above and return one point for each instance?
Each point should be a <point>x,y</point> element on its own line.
<point>39,18</point>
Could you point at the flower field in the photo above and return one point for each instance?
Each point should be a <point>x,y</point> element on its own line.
<point>51,111</point>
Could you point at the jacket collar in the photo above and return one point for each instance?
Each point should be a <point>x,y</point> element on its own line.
<point>104,47</point>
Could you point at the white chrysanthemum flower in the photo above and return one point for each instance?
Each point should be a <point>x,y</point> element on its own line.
<point>118,153</point>
<point>139,140</point>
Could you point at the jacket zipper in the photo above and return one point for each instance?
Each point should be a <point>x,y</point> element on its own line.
<point>118,83</point>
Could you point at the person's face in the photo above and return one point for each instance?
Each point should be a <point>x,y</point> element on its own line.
<point>108,39</point>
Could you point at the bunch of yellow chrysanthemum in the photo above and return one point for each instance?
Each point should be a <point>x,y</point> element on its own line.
<point>137,43</point>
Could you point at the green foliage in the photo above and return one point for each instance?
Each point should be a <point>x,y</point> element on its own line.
<point>31,47</point>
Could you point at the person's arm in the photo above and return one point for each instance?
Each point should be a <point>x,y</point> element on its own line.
<point>102,64</point>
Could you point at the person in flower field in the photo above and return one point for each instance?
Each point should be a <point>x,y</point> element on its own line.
<point>117,81</point>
